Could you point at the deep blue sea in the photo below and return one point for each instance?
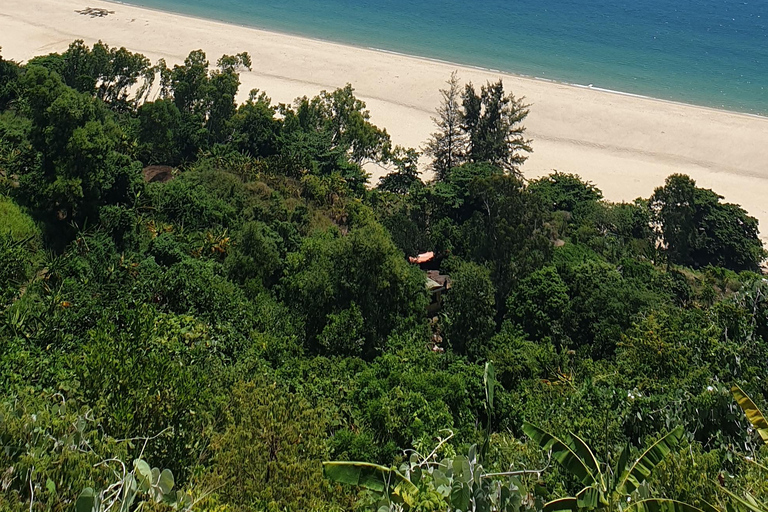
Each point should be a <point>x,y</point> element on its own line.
<point>705,52</point>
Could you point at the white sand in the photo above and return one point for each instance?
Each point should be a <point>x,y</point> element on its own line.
<point>626,145</point>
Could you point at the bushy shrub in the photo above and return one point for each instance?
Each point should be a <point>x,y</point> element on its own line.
<point>269,456</point>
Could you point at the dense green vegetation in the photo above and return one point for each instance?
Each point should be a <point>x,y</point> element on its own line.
<point>201,301</point>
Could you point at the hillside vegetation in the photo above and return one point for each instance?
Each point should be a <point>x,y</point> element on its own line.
<point>201,302</point>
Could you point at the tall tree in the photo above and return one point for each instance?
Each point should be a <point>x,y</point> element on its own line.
<point>470,309</point>
<point>332,279</point>
<point>255,128</point>
<point>492,122</point>
<point>9,73</point>
<point>84,161</point>
<point>110,74</point>
<point>699,230</point>
<point>447,145</point>
<point>406,173</point>
<point>347,120</point>
<point>222,90</point>
<point>205,100</point>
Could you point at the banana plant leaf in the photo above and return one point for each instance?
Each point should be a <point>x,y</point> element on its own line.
<point>746,504</point>
<point>754,415</point>
<point>651,457</point>
<point>661,505</point>
<point>370,476</point>
<point>575,456</point>
<point>562,505</point>
<point>489,378</point>
<point>621,464</point>
<point>588,498</point>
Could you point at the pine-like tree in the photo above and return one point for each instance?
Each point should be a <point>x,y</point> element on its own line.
<point>447,146</point>
<point>492,123</point>
<point>472,127</point>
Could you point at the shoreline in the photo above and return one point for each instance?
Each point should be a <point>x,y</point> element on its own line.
<point>520,76</point>
<point>625,144</point>
<point>457,65</point>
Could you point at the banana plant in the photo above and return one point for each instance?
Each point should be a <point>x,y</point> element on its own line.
<point>622,489</point>
<point>748,502</point>
<point>391,488</point>
<point>428,483</point>
<point>752,412</point>
<point>453,484</point>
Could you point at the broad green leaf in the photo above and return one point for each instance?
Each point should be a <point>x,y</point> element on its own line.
<point>489,379</point>
<point>364,474</point>
<point>50,486</point>
<point>588,498</point>
<point>155,476</point>
<point>746,504</point>
<point>621,464</point>
<point>143,474</point>
<point>461,469</point>
<point>645,464</point>
<point>562,505</point>
<point>753,413</point>
<point>440,478</point>
<point>166,481</point>
<point>86,502</point>
<point>460,496</point>
<point>566,454</point>
<point>585,454</point>
<point>661,505</point>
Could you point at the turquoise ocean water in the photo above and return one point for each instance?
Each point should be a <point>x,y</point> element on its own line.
<point>705,52</point>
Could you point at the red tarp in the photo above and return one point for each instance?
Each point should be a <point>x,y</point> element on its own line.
<point>422,258</point>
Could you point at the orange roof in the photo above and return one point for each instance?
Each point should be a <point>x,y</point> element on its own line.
<point>422,258</point>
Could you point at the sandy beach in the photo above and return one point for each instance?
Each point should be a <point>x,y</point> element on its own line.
<point>626,145</point>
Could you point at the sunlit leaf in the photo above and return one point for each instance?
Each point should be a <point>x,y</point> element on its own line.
<point>639,472</point>
<point>661,505</point>
<point>143,474</point>
<point>50,486</point>
<point>583,468</point>
<point>370,476</point>
<point>562,505</point>
<point>166,481</point>
<point>748,503</point>
<point>753,413</point>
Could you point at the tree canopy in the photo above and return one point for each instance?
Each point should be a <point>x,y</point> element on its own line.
<point>201,302</point>
<point>477,127</point>
<point>699,230</point>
